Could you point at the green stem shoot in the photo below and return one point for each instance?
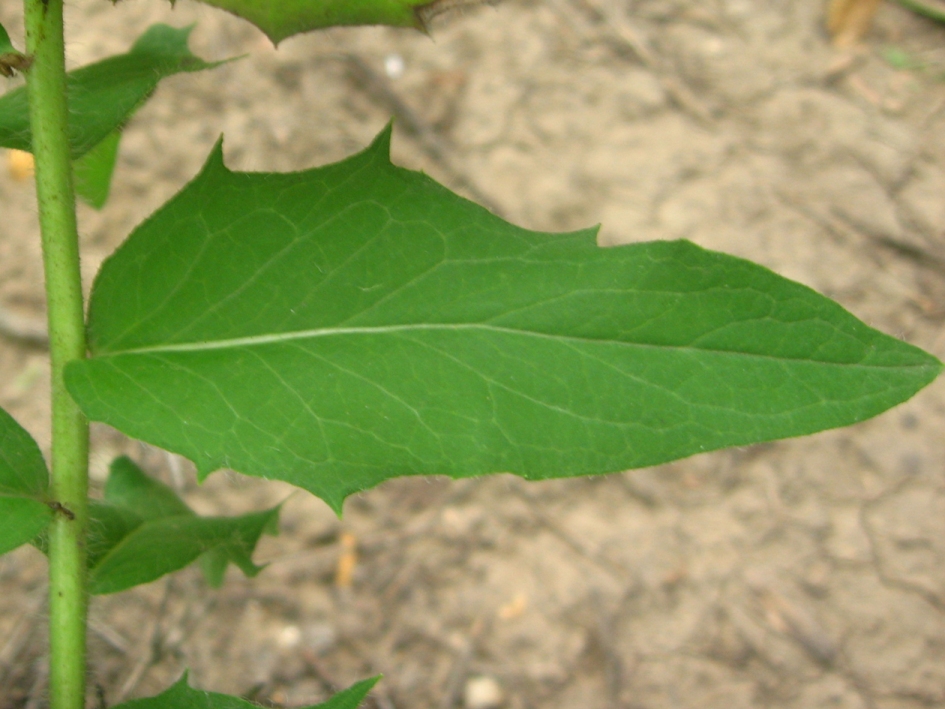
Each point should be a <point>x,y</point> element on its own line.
<point>46,84</point>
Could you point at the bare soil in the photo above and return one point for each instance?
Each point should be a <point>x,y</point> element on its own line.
<point>803,574</point>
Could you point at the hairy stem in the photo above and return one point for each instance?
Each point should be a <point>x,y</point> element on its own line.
<point>46,84</point>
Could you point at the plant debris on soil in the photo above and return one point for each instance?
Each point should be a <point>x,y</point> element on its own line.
<point>800,574</point>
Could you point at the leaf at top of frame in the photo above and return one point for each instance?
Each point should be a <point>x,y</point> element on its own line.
<point>182,696</point>
<point>280,19</point>
<point>344,325</point>
<point>23,486</point>
<point>104,95</point>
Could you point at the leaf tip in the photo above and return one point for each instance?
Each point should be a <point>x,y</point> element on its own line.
<point>381,144</point>
<point>336,503</point>
<point>425,12</point>
<point>215,162</point>
<point>353,695</point>
<point>185,31</point>
<point>205,466</point>
<point>420,19</point>
<point>272,522</point>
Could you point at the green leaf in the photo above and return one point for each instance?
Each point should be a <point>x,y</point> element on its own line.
<point>24,512</point>
<point>23,484</point>
<point>21,520</point>
<point>11,61</point>
<point>933,9</point>
<point>93,171</point>
<point>160,547</point>
<point>22,468</point>
<point>283,18</point>
<point>344,325</point>
<point>6,46</point>
<point>182,696</point>
<point>103,96</point>
<point>108,525</point>
<point>142,531</point>
<point>131,488</point>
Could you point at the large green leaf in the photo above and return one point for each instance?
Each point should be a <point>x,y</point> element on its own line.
<point>182,696</point>
<point>283,18</point>
<point>24,511</point>
<point>143,530</point>
<point>344,325</point>
<point>102,98</point>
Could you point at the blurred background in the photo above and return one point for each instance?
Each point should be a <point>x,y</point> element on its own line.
<point>800,574</point>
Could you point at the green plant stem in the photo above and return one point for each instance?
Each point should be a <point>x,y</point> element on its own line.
<point>46,84</point>
<point>933,9</point>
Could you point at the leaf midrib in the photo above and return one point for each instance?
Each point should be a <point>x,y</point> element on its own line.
<point>277,338</point>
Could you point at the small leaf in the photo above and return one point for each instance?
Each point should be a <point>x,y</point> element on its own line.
<point>340,326</point>
<point>22,468</point>
<point>142,531</point>
<point>214,564</point>
<point>159,547</point>
<point>11,61</point>
<point>93,171</point>
<point>129,487</point>
<point>182,696</point>
<point>933,9</point>
<point>6,46</point>
<point>23,486</point>
<point>103,96</point>
<point>108,525</point>
<point>21,520</point>
<point>283,18</point>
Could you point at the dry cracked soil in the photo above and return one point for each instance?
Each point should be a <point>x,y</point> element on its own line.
<point>802,574</point>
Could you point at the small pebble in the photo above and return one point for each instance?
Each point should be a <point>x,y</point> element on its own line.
<point>394,66</point>
<point>290,636</point>
<point>482,693</point>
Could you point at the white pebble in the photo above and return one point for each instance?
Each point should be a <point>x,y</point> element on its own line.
<point>482,693</point>
<point>290,636</point>
<point>394,66</point>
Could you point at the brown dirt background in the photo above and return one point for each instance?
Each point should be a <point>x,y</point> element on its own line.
<point>801,574</point>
